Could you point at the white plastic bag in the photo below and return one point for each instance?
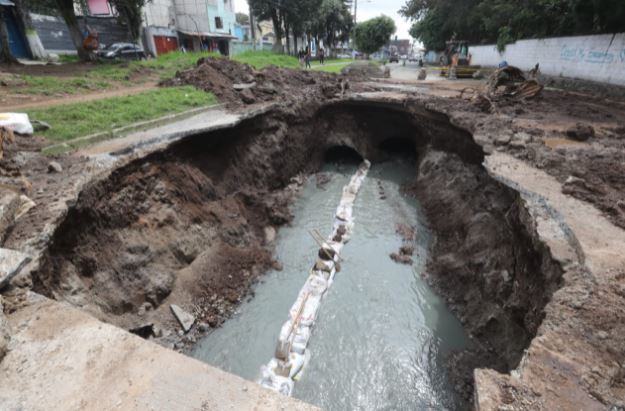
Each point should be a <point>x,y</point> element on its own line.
<point>18,122</point>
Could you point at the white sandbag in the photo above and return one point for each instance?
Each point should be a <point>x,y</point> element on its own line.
<point>336,246</point>
<point>298,348</point>
<point>317,284</point>
<point>310,311</point>
<point>297,363</point>
<point>18,122</point>
<point>296,308</point>
<point>302,335</point>
<point>324,265</point>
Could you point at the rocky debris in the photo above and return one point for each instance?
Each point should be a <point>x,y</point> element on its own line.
<point>574,184</point>
<point>520,140</point>
<point>25,205</point>
<point>580,132</point>
<point>365,70</point>
<point>54,167</point>
<point>510,81</point>
<point>144,331</point>
<point>6,134</point>
<point>11,263</point>
<point>237,84</point>
<point>270,234</point>
<point>406,251</point>
<point>503,138</point>
<point>243,86</point>
<point>404,256</point>
<point>5,335</point>
<point>145,307</point>
<point>39,125</point>
<point>247,96</point>
<point>9,206</point>
<point>185,319</point>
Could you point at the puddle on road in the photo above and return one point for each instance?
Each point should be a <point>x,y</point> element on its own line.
<point>381,334</point>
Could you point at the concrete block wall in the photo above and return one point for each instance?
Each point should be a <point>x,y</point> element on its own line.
<point>597,58</point>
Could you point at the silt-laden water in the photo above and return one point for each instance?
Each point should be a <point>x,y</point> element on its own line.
<point>381,334</point>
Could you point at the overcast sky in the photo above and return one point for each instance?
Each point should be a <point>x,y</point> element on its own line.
<point>366,9</point>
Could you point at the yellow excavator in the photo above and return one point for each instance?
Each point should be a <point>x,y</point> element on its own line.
<point>456,60</point>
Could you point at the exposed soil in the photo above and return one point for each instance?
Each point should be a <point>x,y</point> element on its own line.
<point>542,132</point>
<point>240,84</point>
<point>189,225</point>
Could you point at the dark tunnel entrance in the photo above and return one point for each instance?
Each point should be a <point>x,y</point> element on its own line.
<point>343,155</point>
<point>399,147</point>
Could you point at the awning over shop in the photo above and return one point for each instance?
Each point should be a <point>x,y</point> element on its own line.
<point>205,34</point>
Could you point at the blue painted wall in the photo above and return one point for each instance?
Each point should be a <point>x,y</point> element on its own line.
<point>17,41</point>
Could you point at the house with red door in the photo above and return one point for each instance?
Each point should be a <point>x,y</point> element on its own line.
<point>194,25</point>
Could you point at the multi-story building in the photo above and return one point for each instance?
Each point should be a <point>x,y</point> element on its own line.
<point>194,25</point>
<point>205,24</point>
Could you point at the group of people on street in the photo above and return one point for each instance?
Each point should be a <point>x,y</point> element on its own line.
<point>305,56</point>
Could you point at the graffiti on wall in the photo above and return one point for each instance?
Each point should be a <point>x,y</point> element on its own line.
<point>592,56</point>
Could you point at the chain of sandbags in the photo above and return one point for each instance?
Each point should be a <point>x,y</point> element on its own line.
<point>291,351</point>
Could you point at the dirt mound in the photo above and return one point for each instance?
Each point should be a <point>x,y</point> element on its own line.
<point>238,84</point>
<point>364,70</point>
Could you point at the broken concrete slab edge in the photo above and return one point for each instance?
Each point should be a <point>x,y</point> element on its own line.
<point>123,131</point>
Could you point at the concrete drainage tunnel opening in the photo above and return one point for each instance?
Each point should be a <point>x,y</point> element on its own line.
<point>444,272</point>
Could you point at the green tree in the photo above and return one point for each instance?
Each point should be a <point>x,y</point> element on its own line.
<point>332,23</point>
<point>372,34</point>
<point>242,18</point>
<point>505,21</point>
<point>66,9</point>
<point>130,13</point>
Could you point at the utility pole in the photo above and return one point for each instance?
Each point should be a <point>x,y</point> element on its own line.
<point>354,30</point>
<point>252,26</point>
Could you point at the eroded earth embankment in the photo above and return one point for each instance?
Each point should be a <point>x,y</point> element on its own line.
<point>193,225</point>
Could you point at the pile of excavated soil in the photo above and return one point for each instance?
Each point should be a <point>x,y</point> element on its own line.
<point>238,84</point>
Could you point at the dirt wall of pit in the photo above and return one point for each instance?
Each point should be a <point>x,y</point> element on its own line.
<point>193,225</point>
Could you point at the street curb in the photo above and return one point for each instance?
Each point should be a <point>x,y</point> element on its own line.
<point>78,142</point>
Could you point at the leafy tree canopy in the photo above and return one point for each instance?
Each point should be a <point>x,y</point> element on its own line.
<point>242,18</point>
<point>505,21</point>
<point>373,34</point>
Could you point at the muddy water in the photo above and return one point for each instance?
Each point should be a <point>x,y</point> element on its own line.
<point>381,334</point>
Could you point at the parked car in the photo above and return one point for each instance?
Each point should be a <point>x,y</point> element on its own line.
<point>394,58</point>
<point>123,51</point>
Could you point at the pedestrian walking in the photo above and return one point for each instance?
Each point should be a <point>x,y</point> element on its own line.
<point>322,56</point>
<point>307,58</point>
<point>300,56</point>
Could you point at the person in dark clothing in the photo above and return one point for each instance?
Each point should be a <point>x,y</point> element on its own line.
<point>322,56</point>
<point>307,58</point>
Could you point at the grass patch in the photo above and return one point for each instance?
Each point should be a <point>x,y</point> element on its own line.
<point>80,119</point>
<point>68,58</point>
<point>261,59</point>
<point>331,67</point>
<point>51,86</point>
<point>165,66</point>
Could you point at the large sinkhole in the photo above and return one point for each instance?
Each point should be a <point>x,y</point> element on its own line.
<point>222,224</point>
